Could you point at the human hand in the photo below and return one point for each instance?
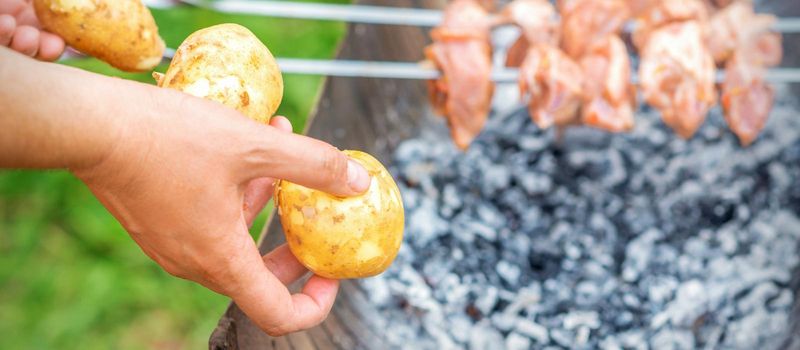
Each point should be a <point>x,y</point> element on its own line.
<point>187,180</point>
<point>20,31</point>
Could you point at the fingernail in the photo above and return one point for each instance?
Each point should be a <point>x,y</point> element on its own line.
<point>357,177</point>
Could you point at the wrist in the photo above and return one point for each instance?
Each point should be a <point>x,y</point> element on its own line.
<point>53,116</point>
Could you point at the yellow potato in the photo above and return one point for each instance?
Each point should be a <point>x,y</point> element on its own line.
<point>119,32</point>
<point>344,237</point>
<point>228,64</point>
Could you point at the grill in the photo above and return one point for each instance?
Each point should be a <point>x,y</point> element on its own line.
<point>379,116</point>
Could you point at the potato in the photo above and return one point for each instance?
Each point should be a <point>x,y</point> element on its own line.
<point>228,64</point>
<point>344,237</point>
<point>119,32</point>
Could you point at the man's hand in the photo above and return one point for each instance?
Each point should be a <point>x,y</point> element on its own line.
<point>20,31</point>
<point>183,175</point>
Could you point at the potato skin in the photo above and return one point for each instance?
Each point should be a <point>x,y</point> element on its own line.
<point>228,64</point>
<point>122,33</point>
<point>338,237</point>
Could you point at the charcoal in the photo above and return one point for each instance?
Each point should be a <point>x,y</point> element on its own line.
<point>516,341</point>
<point>460,327</point>
<point>587,293</point>
<point>484,337</point>
<point>690,303</point>
<point>611,241</point>
<point>673,340</point>
<point>563,337</point>
<point>661,289</point>
<point>758,297</point>
<point>451,200</point>
<point>534,184</point>
<point>495,178</point>
<point>623,319</point>
<point>610,343</point>
<point>487,300</point>
<point>380,293</point>
<point>638,254</point>
<point>531,329</point>
<point>634,339</point>
<point>721,269</point>
<point>426,224</point>
<point>770,326</point>
<point>575,319</point>
<point>727,240</point>
<point>532,143</point>
<point>783,301</point>
<point>504,321</point>
<point>508,272</point>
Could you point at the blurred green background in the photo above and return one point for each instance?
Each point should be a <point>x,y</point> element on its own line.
<point>71,278</point>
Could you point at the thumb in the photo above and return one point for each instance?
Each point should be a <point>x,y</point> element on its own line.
<point>307,162</point>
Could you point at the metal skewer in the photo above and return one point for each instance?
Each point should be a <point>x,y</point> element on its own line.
<point>424,70</point>
<point>419,71</point>
<point>328,12</point>
<point>367,69</point>
<point>367,14</point>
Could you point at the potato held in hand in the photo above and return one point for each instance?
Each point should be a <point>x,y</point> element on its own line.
<point>119,32</point>
<point>344,237</point>
<point>228,64</point>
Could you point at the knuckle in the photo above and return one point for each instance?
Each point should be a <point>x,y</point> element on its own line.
<point>334,165</point>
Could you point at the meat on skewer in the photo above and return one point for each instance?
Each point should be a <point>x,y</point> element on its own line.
<point>462,51</point>
<point>488,5</point>
<point>586,22</point>
<point>743,41</point>
<point>661,13</point>
<point>677,75</point>
<point>737,25</point>
<point>609,95</point>
<point>720,3</point>
<point>746,99</point>
<point>638,7</point>
<point>538,23</point>
<point>591,35</point>
<point>553,83</point>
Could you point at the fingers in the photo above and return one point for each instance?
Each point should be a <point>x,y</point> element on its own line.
<point>308,162</point>
<point>14,7</point>
<point>7,26</point>
<point>26,16</point>
<point>51,46</point>
<point>312,306</point>
<point>282,263</point>
<point>29,40</point>
<point>25,41</point>
<point>256,196</point>
<point>281,123</point>
<point>263,296</point>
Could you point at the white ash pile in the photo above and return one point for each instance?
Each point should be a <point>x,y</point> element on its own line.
<point>609,241</point>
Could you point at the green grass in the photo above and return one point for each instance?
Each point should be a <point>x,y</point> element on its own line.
<point>71,278</point>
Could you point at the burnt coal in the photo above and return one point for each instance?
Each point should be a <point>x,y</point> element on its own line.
<point>611,241</point>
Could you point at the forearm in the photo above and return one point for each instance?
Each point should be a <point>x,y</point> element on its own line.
<point>52,116</point>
